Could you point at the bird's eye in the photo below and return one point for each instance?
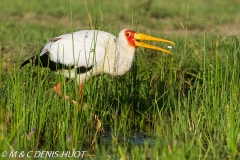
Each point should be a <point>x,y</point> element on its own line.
<point>128,34</point>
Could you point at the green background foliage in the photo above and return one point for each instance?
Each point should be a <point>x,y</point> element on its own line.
<point>180,106</point>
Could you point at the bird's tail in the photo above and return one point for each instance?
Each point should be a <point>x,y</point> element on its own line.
<point>34,59</point>
<point>28,61</point>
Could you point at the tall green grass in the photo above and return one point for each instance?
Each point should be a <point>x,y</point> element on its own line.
<point>180,106</point>
<point>187,110</point>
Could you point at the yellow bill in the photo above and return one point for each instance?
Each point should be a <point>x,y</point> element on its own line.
<point>140,36</point>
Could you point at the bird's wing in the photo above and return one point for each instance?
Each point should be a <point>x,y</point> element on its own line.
<point>82,48</point>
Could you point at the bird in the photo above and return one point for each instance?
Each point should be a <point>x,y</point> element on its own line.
<point>87,53</point>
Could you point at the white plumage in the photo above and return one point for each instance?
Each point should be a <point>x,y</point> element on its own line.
<point>91,48</point>
<point>97,51</point>
<point>79,48</point>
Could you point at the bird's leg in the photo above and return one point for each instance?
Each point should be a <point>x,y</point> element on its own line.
<point>97,121</point>
<point>57,89</point>
<point>80,95</point>
<point>80,91</point>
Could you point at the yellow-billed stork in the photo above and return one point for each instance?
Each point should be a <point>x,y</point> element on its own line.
<point>86,53</point>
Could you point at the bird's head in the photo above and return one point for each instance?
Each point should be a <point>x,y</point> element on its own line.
<point>134,39</point>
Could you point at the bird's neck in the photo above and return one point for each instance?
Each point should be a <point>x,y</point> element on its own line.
<point>123,60</point>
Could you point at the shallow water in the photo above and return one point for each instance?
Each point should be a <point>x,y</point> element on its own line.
<point>134,138</point>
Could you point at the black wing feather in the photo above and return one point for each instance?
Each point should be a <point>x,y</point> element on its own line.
<point>45,61</point>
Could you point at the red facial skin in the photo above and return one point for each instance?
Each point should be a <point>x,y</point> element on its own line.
<point>130,36</point>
